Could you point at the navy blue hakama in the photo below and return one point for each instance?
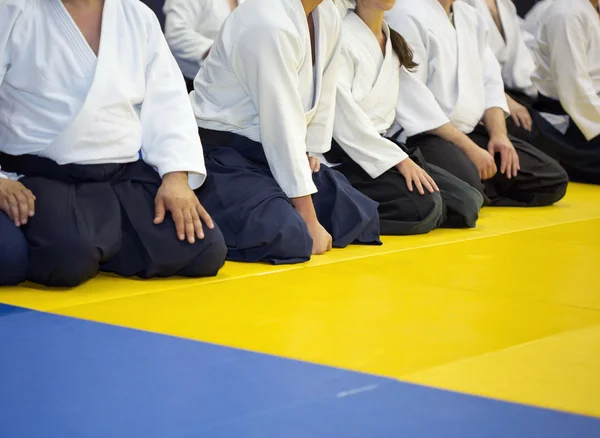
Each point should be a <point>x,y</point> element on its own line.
<point>259,221</point>
<point>100,217</point>
<point>13,253</point>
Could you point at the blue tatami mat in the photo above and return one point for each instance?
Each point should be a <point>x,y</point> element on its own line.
<point>67,378</point>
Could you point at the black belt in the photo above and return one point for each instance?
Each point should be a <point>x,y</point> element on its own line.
<point>546,104</point>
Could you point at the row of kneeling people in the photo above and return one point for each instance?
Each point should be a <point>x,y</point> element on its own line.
<point>302,133</point>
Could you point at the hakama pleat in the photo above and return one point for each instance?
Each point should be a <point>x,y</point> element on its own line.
<point>402,212</point>
<point>541,180</point>
<point>259,221</point>
<point>100,217</point>
<point>13,253</point>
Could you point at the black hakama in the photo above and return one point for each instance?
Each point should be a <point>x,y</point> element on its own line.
<point>100,217</point>
<point>578,156</point>
<point>259,221</point>
<point>13,253</point>
<point>541,180</point>
<point>402,212</point>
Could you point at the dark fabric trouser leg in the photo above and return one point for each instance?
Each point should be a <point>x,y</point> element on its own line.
<point>347,214</point>
<point>448,156</point>
<point>461,201</point>
<point>580,158</point>
<point>73,231</point>
<point>257,219</point>
<point>541,180</point>
<point>401,212</point>
<point>13,253</point>
<point>83,227</point>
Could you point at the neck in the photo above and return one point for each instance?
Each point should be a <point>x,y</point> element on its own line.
<point>82,3</point>
<point>447,5</point>
<point>310,5</point>
<point>372,17</point>
<point>595,3</point>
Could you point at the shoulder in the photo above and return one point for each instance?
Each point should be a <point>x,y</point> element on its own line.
<point>568,18</point>
<point>410,21</point>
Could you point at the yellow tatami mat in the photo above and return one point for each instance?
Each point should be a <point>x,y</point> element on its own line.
<point>509,310</point>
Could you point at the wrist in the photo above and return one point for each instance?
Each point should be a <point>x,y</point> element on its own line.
<point>180,177</point>
<point>305,208</point>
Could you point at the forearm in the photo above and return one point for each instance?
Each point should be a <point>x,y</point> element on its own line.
<point>305,208</point>
<point>450,133</point>
<point>494,122</point>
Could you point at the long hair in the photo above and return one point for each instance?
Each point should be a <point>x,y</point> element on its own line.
<point>403,50</point>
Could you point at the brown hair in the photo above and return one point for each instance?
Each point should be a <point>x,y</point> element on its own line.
<point>403,50</point>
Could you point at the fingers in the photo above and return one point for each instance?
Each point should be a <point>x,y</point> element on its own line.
<point>409,183</point>
<point>516,164</point>
<point>526,120</point>
<point>427,182</point>
<point>13,206</point>
<point>177,214</point>
<point>419,185</point>
<point>159,210</point>
<point>316,165</point>
<point>30,202</point>
<point>23,207</point>
<point>188,221</point>
<point>197,225</point>
<point>515,116</point>
<point>430,183</point>
<point>203,214</point>
<point>504,160</point>
<point>330,243</point>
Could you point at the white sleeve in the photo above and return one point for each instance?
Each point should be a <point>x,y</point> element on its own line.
<point>265,61</point>
<point>185,41</point>
<point>354,131</point>
<point>8,175</point>
<point>9,13</point>
<point>320,129</point>
<point>569,68</point>
<point>418,110</point>
<point>170,135</point>
<point>495,96</point>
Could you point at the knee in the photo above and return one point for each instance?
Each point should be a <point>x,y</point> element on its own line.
<point>472,201</point>
<point>211,257</point>
<point>66,264</point>
<point>553,185</point>
<point>430,212</point>
<point>14,257</point>
<point>561,182</point>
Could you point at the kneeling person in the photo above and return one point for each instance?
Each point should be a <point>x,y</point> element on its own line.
<point>79,99</point>
<point>450,43</point>
<point>264,99</point>
<point>414,197</point>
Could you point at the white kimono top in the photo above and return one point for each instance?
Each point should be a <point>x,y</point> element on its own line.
<point>191,27</point>
<point>510,51</point>
<point>259,82</point>
<point>368,94</point>
<point>568,58</point>
<point>59,101</point>
<point>455,62</point>
<point>531,22</point>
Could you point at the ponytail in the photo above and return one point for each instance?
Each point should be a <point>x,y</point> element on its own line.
<point>403,50</point>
